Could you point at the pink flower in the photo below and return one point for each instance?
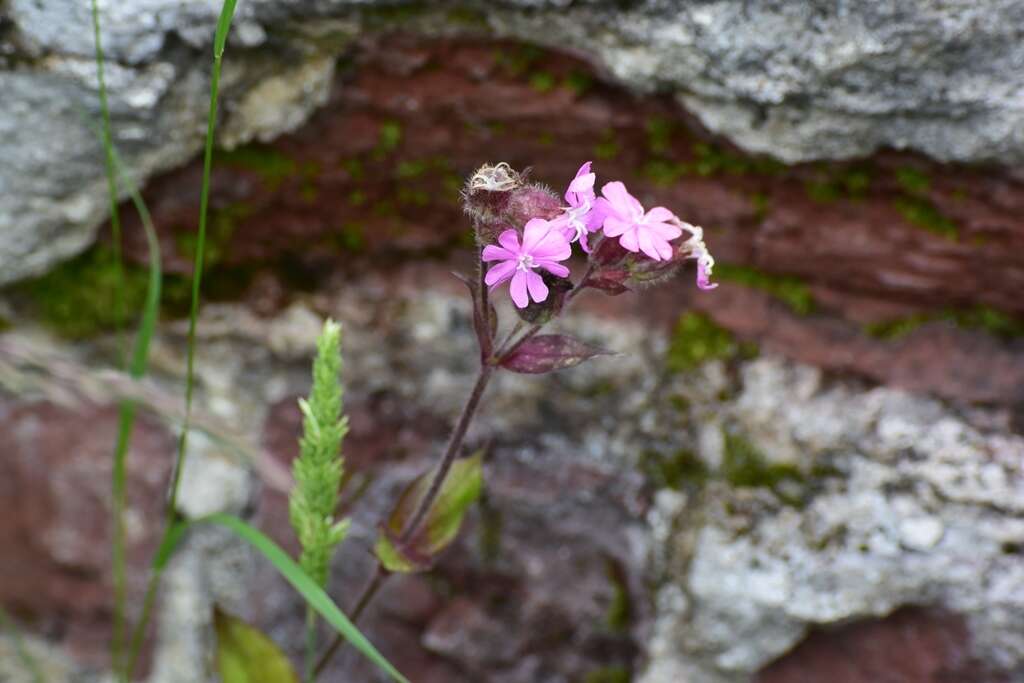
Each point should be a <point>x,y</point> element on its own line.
<point>543,246</point>
<point>637,230</point>
<point>582,216</point>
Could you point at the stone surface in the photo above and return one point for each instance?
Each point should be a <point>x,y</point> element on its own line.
<point>799,80</point>
<point>894,501</point>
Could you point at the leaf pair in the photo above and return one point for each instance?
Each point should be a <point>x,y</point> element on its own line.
<point>461,488</point>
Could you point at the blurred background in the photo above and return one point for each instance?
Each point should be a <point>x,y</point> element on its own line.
<point>812,473</point>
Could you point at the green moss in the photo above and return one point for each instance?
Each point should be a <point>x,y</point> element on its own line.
<point>912,180</point>
<point>663,172</point>
<point>712,160</point>
<point>269,164</point>
<point>744,466</point>
<point>357,198</point>
<point>386,16</point>
<point>659,135</point>
<point>982,318</point>
<point>76,299</point>
<point>351,236</point>
<point>411,196</point>
<point>760,202</point>
<point>223,224</point>
<point>608,147</point>
<point>673,471</point>
<point>794,293</point>
<point>467,17</point>
<point>833,185</point>
<point>542,81</point>
<point>696,340</point>
<point>519,60</point>
<point>578,81</point>
<point>609,674</point>
<point>411,168</point>
<point>620,608</point>
<point>546,139</point>
<point>389,135</point>
<point>5,324</point>
<point>924,214</point>
<point>354,168</point>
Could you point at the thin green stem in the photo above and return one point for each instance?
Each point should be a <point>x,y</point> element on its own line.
<point>310,644</point>
<point>171,513</point>
<point>118,470</point>
<point>365,596</point>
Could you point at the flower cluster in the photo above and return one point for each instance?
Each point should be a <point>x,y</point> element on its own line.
<point>627,246</point>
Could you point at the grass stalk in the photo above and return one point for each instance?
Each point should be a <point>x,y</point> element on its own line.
<point>171,513</point>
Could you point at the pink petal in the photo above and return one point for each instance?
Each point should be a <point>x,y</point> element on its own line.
<point>510,240</point>
<point>663,247</point>
<point>533,232</point>
<point>629,239</point>
<point>644,238</point>
<point>584,244</point>
<point>581,184</point>
<point>497,274</point>
<point>553,246</point>
<point>554,268</point>
<point>495,253</point>
<point>622,202</point>
<point>538,290</point>
<point>665,230</point>
<point>596,216</point>
<point>615,226</point>
<point>517,289</point>
<point>658,214</point>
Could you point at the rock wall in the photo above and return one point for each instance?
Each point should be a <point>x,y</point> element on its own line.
<point>797,80</point>
<point>782,480</point>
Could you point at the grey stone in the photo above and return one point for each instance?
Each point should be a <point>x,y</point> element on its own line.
<point>915,507</point>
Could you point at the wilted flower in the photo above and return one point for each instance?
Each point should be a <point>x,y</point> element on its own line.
<point>542,247</point>
<point>582,216</point>
<point>648,232</point>
<point>695,248</point>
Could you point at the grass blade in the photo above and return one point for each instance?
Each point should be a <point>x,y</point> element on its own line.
<point>223,26</point>
<point>27,660</point>
<point>313,594</point>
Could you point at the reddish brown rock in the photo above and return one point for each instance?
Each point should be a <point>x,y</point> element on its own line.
<point>910,646</point>
<point>373,179</point>
<point>55,568</point>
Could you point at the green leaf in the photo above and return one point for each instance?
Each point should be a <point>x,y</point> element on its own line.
<point>461,488</point>
<point>292,573</point>
<point>245,655</point>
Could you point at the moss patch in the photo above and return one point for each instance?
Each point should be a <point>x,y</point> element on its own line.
<point>989,320</point>
<point>272,167</point>
<point>76,299</point>
<point>794,293</point>
<point>696,340</point>
<point>924,214</point>
<point>673,470</point>
<point>609,674</point>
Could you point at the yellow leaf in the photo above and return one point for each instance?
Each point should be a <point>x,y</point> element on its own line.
<point>245,655</point>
